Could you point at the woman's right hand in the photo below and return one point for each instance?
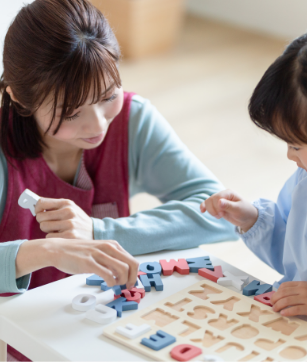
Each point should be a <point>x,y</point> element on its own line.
<point>104,258</point>
<point>230,206</point>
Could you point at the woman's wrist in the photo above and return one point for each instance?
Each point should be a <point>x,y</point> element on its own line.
<point>33,255</point>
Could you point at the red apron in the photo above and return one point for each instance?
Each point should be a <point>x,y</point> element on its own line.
<point>102,190</point>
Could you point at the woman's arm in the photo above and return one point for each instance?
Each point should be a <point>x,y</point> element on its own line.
<point>9,282</point>
<point>19,258</point>
<point>161,165</point>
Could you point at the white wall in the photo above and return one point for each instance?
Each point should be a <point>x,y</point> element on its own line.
<point>8,10</point>
<point>284,18</point>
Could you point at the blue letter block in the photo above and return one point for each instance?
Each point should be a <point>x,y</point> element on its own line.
<point>121,305</point>
<point>159,340</point>
<point>151,268</point>
<point>153,281</point>
<point>117,290</point>
<point>255,288</point>
<point>199,263</point>
<point>94,280</point>
<point>104,286</point>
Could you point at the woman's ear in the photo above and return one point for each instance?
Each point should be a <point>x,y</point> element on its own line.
<point>10,92</point>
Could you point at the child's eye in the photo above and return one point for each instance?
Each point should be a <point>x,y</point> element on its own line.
<point>72,117</point>
<point>295,148</point>
<point>111,99</point>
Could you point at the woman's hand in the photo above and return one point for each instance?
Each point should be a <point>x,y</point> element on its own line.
<point>290,299</point>
<point>232,207</point>
<point>104,258</point>
<point>60,218</point>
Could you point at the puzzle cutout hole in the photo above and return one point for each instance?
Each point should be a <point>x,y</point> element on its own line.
<point>228,303</point>
<point>255,313</point>
<point>191,328</point>
<point>203,294</point>
<point>250,356</point>
<point>209,339</point>
<point>200,312</point>
<point>178,306</point>
<point>268,345</point>
<point>302,338</point>
<point>222,323</point>
<point>293,353</point>
<point>282,325</point>
<point>245,332</point>
<point>160,317</point>
<point>237,346</point>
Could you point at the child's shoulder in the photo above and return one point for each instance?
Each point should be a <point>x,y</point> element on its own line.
<point>301,175</point>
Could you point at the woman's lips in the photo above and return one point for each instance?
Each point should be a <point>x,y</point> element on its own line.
<point>94,140</point>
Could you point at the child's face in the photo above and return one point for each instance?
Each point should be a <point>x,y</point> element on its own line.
<point>298,154</point>
<point>87,126</point>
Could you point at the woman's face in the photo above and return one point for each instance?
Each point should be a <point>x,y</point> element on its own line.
<point>87,126</point>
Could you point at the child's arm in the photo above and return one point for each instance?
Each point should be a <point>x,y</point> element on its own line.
<point>265,234</point>
<point>291,299</point>
<point>229,205</point>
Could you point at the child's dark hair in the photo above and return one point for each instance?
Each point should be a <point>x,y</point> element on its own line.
<point>279,102</point>
<point>65,48</point>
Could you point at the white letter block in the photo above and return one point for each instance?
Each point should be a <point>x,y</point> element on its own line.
<point>106,297</point>
<point>84,302</point>
<point>28,200</point>
<point>232,280</point>
<point>131,331</point>
<point>102,314</point>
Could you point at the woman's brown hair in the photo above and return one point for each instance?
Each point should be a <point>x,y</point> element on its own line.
<point>65,48</point>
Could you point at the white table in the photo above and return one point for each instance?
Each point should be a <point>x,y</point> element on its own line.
<point>42,324</point>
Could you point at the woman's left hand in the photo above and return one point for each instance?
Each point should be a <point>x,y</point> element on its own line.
<point>290,299</point>
<point>61,218</point>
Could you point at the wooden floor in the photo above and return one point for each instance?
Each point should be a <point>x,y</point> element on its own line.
<point>202,88</point>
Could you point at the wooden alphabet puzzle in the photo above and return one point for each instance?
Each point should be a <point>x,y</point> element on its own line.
<point>209,319</point>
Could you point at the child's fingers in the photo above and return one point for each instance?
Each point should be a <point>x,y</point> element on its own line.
<point>230,207</point>
<point>284,293</point>
<point>203,207</point>
<point>294,311</point>
<point>287,302</point>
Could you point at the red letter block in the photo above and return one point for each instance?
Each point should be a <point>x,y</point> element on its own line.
<point>211,275</point>
<point>181,266</point>
<point>264,298</point>
<point>185,352</point>
<point>130,295</point>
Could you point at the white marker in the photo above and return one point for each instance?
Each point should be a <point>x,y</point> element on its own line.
<point>28,200</point>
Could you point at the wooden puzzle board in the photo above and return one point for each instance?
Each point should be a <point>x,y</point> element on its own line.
<point>220,322</point>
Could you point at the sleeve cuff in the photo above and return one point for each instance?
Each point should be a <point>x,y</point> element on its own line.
<point>98,227</point>
<point>8,281</point>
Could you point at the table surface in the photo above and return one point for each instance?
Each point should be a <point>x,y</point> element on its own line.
<point>42,324</point>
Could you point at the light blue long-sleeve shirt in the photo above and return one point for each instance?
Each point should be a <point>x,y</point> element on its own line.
<point>279,237</point>
<point>161,165</point>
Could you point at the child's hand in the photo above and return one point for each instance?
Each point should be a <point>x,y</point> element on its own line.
<point>232,207</point>
<point>293,297</point>
<point>61,218</point>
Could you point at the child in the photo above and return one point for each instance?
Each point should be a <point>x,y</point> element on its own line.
<point>69,133</point>
<point>276,232</point>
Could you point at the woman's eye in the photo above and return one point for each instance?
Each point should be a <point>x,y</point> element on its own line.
<point>111,99</point>
<point>72,117</point>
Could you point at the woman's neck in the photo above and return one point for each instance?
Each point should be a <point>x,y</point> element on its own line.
<point>62,158</point>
